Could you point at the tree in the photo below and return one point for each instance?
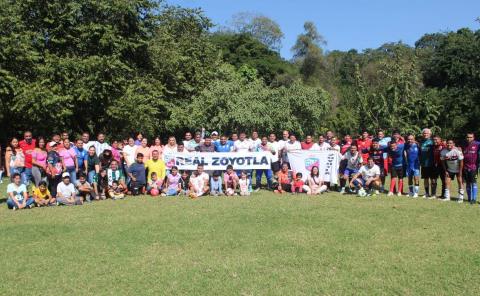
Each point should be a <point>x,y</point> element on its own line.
<point>307,51</point>
<point>260,27</point>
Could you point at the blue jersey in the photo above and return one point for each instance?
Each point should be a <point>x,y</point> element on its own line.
<point>397,156</point>
<point>413,156</point>
<point>228,147</point>
<point>81,156</point>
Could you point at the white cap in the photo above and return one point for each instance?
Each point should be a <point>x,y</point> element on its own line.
<point>214,133</point>
<point>65,175</point>
<point>52,143</point>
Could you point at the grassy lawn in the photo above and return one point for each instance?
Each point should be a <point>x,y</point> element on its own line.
<point>260,245</point>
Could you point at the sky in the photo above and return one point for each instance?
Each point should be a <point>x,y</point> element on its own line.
<point>357,24</point>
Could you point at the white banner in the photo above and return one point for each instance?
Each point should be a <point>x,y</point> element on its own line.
<point>219,160</point>
<point>327,161</point>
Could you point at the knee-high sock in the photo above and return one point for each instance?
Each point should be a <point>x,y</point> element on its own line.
<point>469,191</point>
<point>433,186</point>
<point>474,192</point>
<point>393,181</point>
<point>400,186</point>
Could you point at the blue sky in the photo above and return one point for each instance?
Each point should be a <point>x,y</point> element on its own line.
<point>350,24</point>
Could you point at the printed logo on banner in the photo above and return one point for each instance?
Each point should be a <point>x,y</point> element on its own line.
<point>311,162</point>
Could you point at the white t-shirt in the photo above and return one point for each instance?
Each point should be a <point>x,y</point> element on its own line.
<point>242,146</point>
<point>452,158</point>
<point>368,172</point>
<point>324,146</point>
<point>199,182</point>
<point>244,184</point>
<point>89,144</point>
<point>289,146</point>
<point>100,147</point>
<point>129,153</point>
<point>255,143</point>
<point>66,190</point>
<point>275,147</point>
<point>17,191</point>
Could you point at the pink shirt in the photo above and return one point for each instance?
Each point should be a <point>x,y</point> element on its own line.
<point>145,151</point>
<point>40,157</point>
<point>68,156</point>
<point>156,148</point>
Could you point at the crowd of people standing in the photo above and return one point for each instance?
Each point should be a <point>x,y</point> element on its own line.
<point>66,171</point>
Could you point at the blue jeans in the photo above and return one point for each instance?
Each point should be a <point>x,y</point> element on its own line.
<point>268,175</point>
<point>27,176</point>
<point>11,203</point>
<point>91,176</point>
<point>73,174</point>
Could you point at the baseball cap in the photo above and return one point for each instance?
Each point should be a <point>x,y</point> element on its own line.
<point>52,143</point>
<point>65,175</point>
<point>214,133</point>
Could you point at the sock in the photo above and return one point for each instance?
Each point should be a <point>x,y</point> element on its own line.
<point>460,192</point>
<point>469,191</point>
<point>400,186</point>
<point>392,184</point>
<point>447,193</point>
<point>434,189</point>
<point>416,189</point>
<point>474,192</point>
<point>427,193</point>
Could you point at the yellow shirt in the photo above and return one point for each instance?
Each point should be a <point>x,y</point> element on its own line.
<point>41,195</point>
<point>157,166</point>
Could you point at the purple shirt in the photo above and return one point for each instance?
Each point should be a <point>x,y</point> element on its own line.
<point>173,181</point>
<point>470,154</point>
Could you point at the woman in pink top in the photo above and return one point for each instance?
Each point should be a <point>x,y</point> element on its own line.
<point>115,150</point>
<point>39,162</point>
<point>157,146</point>
<point>69,160</point>
<point>143,148</point>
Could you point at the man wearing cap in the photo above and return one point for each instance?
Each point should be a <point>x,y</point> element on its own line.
<point>66,193</point>
<point>214,136</point>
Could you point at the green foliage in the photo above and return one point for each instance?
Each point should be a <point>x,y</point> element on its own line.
<point>238,102</point>
<point>260,27</point>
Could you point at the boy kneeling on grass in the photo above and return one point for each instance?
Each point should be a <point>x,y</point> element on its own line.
<point>367,177</point>
<point>42,195</point>
<point>84,189</point>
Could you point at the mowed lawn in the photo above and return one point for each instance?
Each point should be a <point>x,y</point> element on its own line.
<point>259,245</point>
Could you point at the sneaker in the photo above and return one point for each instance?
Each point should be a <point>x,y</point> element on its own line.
<point>425,196</point>
<point>376,192</point>
<point>14,208</point>
<point>446,199</point>
<point>31,206</point>
<point>163,194</point>
<point>460,200</point>
<point>415,195</point>
<point>399,194</point>
<point>342,191</point>
<point>432,197</point>
<point>390,193</point>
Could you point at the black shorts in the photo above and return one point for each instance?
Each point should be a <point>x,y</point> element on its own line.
<point>397,172</point>
<point>470,176</point>
<point>452,175</point>
<point>275,166</point>
<point>428,172</point>
<point>342,166</point>
<point>438,172</point>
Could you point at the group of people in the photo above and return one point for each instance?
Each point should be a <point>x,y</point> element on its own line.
<point>59,171</point>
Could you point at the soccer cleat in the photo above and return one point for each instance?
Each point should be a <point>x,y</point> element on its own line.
<point>399,194</point>
<point>446,199</point>
<point>415,195</point>
<point>460,200</point>
<point>390,193</point>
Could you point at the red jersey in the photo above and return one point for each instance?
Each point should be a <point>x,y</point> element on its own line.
<point>364,148</point>
<point>345,146</point>
<point>27,151</point>
<point>437,149</point>
<point>306,146</point>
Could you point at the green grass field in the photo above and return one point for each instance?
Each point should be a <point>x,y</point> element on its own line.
<point>260,245</point>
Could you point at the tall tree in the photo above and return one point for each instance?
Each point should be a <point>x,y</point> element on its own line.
<point>307,51</point>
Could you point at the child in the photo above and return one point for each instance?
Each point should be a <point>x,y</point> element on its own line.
<point>102,184</point>
<point>42,195</point>
<point>184,183</point>
<point>244,184</point>
<point>155,184</point>
<point>297,184</point>
<point>116,191</point>
<point>84,189</point>
<point>216,184</point>
<point>230,180</point>
<point>172,187</point>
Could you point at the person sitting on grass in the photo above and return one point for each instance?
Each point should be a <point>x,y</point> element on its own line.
<point>172,188</point>
<point>244,184</point>
<point>42,195</point>
<point>216,184</point>
<point>230,179</point>
<point>368,177</point>
<point>155,185</point>
<point>315,183</point>
<point>114,173</point>
<point>285,178</point>
<point>115,191</point>
<point>18,195</point>
<point>101,188</point>
<point>184,183</point>
<point>66,193</point>
<point>297,184</point>
<point>84,189</point>
<point>136,172</point>
<point>199,183</point>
